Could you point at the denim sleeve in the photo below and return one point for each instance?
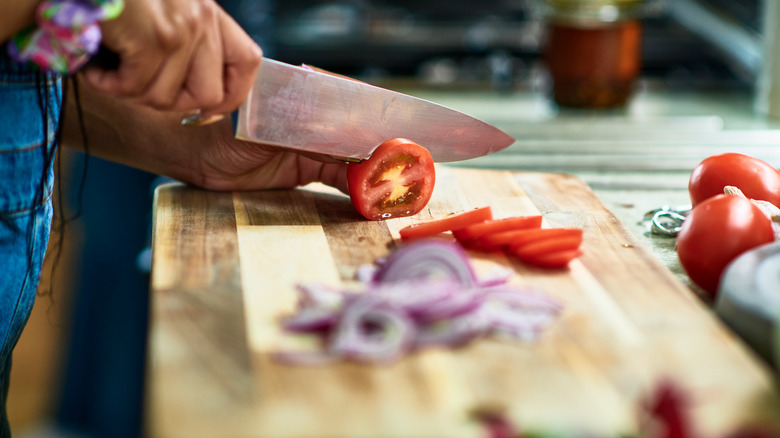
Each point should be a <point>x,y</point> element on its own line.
<point>29,112</point>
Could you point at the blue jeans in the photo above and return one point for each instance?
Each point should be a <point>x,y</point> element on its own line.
<point>29,110</point>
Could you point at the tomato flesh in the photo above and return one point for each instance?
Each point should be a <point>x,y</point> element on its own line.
<point>396,181</point>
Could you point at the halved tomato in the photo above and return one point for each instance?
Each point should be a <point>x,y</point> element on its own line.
<point>449,223</point>
<point>397,180</point>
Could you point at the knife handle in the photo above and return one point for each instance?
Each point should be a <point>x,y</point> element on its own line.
<point>105,59</point>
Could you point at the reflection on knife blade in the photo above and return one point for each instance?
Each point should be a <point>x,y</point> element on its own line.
<point>307,110</point>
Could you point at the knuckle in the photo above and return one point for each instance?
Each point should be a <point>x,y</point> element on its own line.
<point>208,11</point>
<point>169,37</point>
<point>254,55</point>
<point>248,58</point>
<point>191,20</point>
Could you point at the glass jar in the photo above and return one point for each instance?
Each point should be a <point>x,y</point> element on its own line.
<point>593,51</point>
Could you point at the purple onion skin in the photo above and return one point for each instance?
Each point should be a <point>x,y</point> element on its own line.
<point>427,260</point>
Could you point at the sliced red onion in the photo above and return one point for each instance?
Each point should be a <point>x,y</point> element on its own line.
<point>521,298</point>
<point>457,302</point>
<point>454,332</point>
<point>319,295</point>
<point>425,294</point>
<point>426,301</point>
<point>371,330</point>
<point>521,325</point>
<point>366,273</point>
<point>312,320</point>
<point>499,275</point>
<point>427,260</point>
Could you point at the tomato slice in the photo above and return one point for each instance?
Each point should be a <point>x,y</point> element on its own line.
<point>497,226</point>
<point>558,259</point>
<point>526,237</point>
<point>397,180</point>
<point>541,247</point>
<point>547,247</point>
<point>449,223</point>
<point>500,240</point>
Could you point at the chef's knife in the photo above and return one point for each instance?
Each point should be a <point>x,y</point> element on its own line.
<point>312,111</point>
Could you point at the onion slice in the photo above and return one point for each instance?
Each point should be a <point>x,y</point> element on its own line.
<point>423,295</point>
<point>371,330</point>
<point>427,260</point>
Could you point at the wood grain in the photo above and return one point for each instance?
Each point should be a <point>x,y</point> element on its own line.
<point>226,265</point>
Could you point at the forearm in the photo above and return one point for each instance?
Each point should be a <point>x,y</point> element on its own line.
<point>15,15</point>
<point>135,135</point>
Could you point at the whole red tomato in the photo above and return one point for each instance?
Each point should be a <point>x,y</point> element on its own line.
<point>756,178</point>
<point>397,180</point>
<point>717,231</point>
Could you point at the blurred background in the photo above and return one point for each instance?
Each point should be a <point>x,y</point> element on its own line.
<point>78,370</point>
<point>688,43</point>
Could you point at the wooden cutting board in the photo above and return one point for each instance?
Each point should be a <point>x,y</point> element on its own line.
<point>225,266</point>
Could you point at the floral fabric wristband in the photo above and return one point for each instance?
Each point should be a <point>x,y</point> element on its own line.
<point>67,34</point>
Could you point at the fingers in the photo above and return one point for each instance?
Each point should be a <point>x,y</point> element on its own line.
<point>178,55</point>
<point>241,59</point>
<point>335,175</point>
<point>137,67</point>
<point>200,85</point>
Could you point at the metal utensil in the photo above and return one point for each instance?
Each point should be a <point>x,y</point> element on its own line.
<point>307,110</point>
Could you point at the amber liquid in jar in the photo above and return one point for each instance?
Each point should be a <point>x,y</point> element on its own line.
<point>593,66</point>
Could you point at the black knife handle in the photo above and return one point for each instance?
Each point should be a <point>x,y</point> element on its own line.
<point>105,59</point>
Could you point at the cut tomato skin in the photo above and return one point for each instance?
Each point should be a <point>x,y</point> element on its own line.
<point>396,181</point>
<point>450,223</point>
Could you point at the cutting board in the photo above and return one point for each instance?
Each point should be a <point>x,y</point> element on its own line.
<point>225,267</point>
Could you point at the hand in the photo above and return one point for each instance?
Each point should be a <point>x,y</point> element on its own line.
<point>178,55</point>
<point>206,156</point>
<point>225,163</point>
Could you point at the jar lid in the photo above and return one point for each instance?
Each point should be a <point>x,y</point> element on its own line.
<point>599,11</point>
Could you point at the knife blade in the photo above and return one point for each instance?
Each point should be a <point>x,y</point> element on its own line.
<point>307,110</point>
